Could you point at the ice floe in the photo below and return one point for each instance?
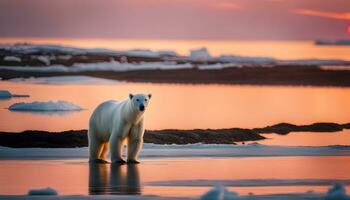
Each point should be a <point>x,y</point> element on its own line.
<point>43,191</point>
<point>49,106</point>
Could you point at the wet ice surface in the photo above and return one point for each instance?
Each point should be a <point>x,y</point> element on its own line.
<point>181,151</point>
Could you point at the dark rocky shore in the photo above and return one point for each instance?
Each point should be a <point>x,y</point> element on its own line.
<point>278,75</point>
<point>78,138</point>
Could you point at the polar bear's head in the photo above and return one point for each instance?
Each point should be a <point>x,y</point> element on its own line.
<point>140,101</point>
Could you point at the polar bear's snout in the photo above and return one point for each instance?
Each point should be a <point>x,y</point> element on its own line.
<point>142,107</point>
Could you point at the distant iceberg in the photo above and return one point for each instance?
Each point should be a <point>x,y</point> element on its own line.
<point>200,54</point>
<point>50,106</point>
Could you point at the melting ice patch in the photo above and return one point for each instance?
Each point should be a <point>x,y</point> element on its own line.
<point>50,106</point>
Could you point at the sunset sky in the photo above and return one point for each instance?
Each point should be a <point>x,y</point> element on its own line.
<point>176,19</point>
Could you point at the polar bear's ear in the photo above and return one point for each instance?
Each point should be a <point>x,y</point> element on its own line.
<point>149,96</point>
<point>131,96</point>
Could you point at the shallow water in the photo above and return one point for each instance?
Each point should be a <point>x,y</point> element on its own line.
<point>159,176</point>
<point>183,106</point>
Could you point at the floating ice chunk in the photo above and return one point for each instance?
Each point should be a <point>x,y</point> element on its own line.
<point>45,106</point>
<point>4,94</point>
<point>43,191</point>
<point>201,54</point>
<point>12,58</point>
<point>220,193</point>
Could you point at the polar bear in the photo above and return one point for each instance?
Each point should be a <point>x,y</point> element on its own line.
<point>112,123</point>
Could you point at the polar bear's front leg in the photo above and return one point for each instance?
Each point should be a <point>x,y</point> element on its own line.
<point>135,141</point>
<point>115,146</point>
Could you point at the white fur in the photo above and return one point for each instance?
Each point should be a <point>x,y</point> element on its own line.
<point>114,122</point>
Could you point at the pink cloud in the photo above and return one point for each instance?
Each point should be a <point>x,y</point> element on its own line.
<point>226,5</point>
<point>325,14</point>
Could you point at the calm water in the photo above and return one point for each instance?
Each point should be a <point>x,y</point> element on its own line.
<point>275,49</point>
<point>77,177</point>
<point>183,106</point>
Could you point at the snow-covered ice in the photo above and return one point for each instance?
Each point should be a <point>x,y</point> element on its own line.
<point>66,80</point>
<point>49,106</point>
<point>12,58</point>
<point>45,59</point>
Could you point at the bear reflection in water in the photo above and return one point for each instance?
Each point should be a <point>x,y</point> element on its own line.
<point>114,179</point>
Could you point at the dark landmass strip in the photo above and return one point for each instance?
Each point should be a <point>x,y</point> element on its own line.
<point>78,138</point>
<point>278,75</point>
<point>285,128</point>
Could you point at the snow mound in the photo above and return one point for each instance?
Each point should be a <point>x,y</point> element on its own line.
<point>337,192</point>
<point>66,80</point>
<point>200,54</point>
<point>219,193</point>
<point>12,59</point>
<point>4,94</point>
<point>45,106</point>
<point>43,191</point>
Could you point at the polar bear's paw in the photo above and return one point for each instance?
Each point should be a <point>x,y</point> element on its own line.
<point>133,161</point>
<point>100,161</point>
<point>120,161</point>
